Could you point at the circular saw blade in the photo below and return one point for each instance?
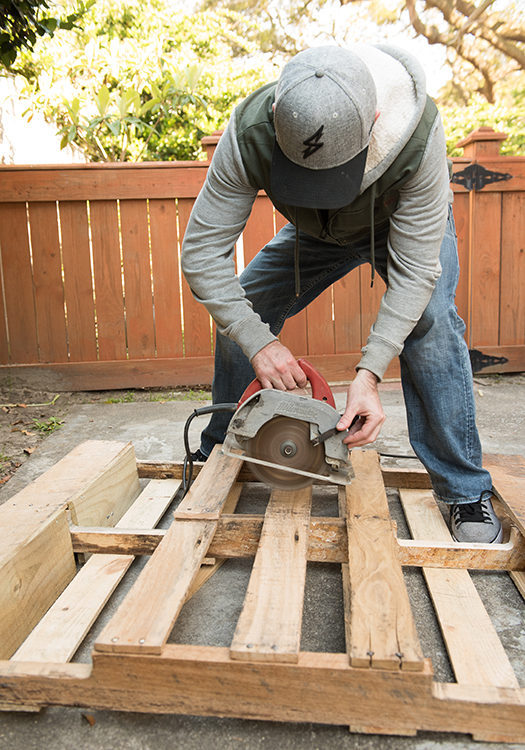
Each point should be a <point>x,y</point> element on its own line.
<point>286,442</point>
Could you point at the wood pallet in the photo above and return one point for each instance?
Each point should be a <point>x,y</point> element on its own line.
<point>90,503</point>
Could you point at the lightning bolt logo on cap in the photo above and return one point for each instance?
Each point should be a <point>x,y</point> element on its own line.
<point>313,143</point>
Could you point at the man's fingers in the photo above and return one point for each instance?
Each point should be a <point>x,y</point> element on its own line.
<point>365,431</point>
<point>276,367</point>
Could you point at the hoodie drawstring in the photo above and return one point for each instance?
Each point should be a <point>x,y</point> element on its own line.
<point>372,234</point>
<point>296,260</point>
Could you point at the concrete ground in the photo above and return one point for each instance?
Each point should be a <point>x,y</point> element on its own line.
<point>156,431</point>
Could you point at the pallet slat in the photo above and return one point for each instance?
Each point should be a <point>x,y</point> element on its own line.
<point>145,618</point>
<point>381,627</point>
<point>474,648</point>
<point>269,627</point>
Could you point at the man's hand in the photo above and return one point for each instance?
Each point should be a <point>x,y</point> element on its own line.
<point>276,367</point>
<point>363,401</point>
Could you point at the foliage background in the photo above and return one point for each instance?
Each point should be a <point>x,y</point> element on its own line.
<point>133,81</point>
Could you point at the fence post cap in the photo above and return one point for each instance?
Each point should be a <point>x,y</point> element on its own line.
<point>482,141</point>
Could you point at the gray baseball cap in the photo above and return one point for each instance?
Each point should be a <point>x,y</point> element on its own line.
<point>325,104</point>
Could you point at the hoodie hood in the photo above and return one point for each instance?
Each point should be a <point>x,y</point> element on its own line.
<point>401,99</point>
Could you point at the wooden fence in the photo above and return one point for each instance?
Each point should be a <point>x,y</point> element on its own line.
<point>93,297</point>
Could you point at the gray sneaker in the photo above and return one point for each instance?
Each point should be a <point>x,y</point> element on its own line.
<point>476,522</point>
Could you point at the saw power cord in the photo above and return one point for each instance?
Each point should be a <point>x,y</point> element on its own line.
<point>188,461</point>
<point>187,473</point>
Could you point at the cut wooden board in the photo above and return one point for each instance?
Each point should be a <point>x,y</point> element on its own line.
<point>475,650</point>
<point>381,629</point>
<point>63,628</point>
<point>146,617</point>
<point>269,627</point>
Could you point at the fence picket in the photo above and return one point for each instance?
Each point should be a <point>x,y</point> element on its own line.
<point>137,279</point>
<point>512,304</point>
<point>197,333</point>
<point>107,273</point>
<point>48,285</point>
<point>18,285</point>
<point>486,239</point>
<point>77,281</point>
<point>166,280</point>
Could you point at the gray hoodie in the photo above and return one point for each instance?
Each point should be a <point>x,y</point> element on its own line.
<point>416,227</point>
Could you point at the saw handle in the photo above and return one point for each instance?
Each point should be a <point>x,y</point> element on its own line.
<point>320,388</point>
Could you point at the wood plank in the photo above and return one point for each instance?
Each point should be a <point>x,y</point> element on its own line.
<point>109,493</point>
<point>370,299</point>
<point>476,661</point>
<point>347,309</point>
<point>162,372</point>
<point>78,284</point>
<point>485,231</point>
<point>17,286</point>
<point>137,279</point>
<point>320,324</point>
<point>107,273</point>
<point>519,581</point>
<point>166,278</point>
<point>320,688</point>
<point>48,284</point>
<point>56,489</point>
<point>294,334</point>
<point>508,478</point>
<point>239,536</point>
<point>102,181</point>
<point>392,476</point>
<point>32,523</point>
<point>207,571</point>
<point>146,617</point>
<point>32,577</point>
<point>259,228</point>
<point>60,632</point>
<point>197,331</point>
<point>382,630</point>
<point>512,302</point>
<point>269,627</point>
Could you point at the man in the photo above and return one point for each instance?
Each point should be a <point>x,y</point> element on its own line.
<point>350,149</point>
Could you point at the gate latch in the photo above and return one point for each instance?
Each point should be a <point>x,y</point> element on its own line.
<point>475,177</point>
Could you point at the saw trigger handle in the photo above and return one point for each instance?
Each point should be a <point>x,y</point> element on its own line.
<point>320,388</point>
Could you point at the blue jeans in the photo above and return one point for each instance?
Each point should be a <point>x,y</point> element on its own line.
<point>435,365</point>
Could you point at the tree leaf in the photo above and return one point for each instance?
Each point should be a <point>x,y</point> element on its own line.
<point>102,99</point>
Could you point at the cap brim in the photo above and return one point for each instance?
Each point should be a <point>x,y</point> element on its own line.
<point>316,188</point>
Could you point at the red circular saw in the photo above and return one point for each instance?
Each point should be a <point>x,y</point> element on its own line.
<point>290,440</point>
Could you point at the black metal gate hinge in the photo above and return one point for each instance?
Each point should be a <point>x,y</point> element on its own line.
<point>480,360</point>
<point>475,177</point>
